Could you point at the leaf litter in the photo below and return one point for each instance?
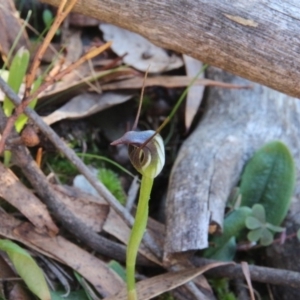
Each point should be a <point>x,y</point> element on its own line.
<point>85,91</point>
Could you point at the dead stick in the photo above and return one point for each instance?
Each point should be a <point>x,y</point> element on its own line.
<point>257,273</point>
<point>62,12</point>
<point>77,162</point>
<point>20,108</point>
<point>38,180</point>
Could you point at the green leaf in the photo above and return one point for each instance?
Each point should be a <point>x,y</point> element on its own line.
<point>298,234</point>
<point>253,223</point>
<point>234,224</point>
<point>16,76</point>
<point>47,17</point>
<point>76,295</point>
<point>266,238</point>
<point>226,252</point>
<point>27,268</point>
<point>258,211</point>
<point>269,179</point>
<point>274,228</point>
<point>22,119</point>
<point>118,268</point>
<point>254,235</point>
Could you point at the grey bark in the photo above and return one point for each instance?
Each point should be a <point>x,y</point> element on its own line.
<point>255,39</point>
<point>210,162</point>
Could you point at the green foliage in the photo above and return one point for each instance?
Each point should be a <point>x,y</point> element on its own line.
<point>16,76</point>
<point>221,287</point>
<point>269,179</point>
<point>47,18</point>
<point>27,268</point>
<point>224,245</point>
<point>118,268</point>
<point>111,181</point>
<point>259,228</point>
<point>61,167</point>
<point>75,295</point>
<point>22,119</point>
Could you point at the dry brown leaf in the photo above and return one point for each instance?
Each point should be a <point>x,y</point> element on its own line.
<point>140,53</point>
<point>5,269</point>
<point>84,105</point>
<point>246,272</point>
<point>114,224</point>
<point>106,281</point>
<point>195,93</point>
<point>111,222</point>
<point>90,210</point>
<point>166,81</point>
<point>82,77</point>
<point>15,193</point>
<point>19,292</point>
<point>157,285</point>
<point>72,41</point>
<point>10,27</point>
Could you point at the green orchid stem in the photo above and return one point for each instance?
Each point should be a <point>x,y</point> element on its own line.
<point>136,235</point>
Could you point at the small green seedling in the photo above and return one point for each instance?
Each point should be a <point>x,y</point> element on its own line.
<point>48,19</point>
<point>260,229</point>
<point>267,185</point>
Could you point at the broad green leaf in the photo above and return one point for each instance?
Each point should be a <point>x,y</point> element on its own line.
<point>269,180</point>
<point>258,211</point>
<point>118,268</point>
<point>27,268</point>
<point>253,223</point>
<point>274,228</point>
<point>266,238</point>
<point>16,76</point>
<point>22,119</point>
<point>226,252</point>
<point>254,235</point>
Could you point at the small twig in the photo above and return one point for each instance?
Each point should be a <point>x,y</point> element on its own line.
<point>257,273</point>
<point>89,55</point>
<point>20,108</point>
<point>77,162</point>
<point>132,193</point>
<point>62,13</point>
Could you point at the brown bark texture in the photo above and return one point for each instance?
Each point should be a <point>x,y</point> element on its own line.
<point>255,39</point>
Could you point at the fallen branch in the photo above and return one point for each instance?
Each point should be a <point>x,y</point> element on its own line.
<point>259,274</point>
<point>254,39</point>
